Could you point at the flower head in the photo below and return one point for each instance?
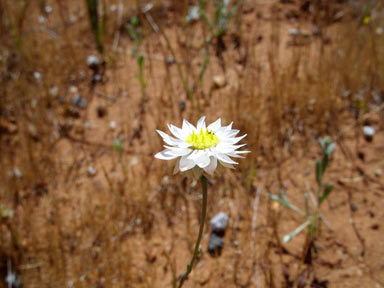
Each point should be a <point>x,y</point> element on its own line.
<point>200,148</point>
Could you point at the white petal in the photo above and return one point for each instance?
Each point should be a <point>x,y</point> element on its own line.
<point>233,133</point>
<point>215,125</point>
<point>233,154</point>
<point>212,166</point>
<point>178,151</point>
<point>226,165</point>
<point>202,161</point>
<point>242,152</point>
<point>195,154</point>
<point>229,127</point>
<point>166,155</point>
<point>201,124</point>
<point>200,157</point>
<point>186,164</point>
<point>221,132</point>
<point>177,132</point>
<point>225,147</point>
<point>224,158</point>
<point>188,127</point>
<point>171,140</point>
<point>235,139</point>
<point>224,134</point>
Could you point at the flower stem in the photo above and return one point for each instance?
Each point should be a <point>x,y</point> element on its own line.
<point>184,276</point>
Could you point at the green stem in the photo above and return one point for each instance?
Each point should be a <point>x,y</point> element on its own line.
<point>184,276</point>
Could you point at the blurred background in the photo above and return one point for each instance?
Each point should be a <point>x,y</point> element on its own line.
<point>85,84</point>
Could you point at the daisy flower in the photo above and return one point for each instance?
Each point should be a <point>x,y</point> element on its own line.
<point>201,148</point>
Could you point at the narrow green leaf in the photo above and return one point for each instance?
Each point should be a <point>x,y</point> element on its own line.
<point>324,163</point>
<point>273,197</point>
<point>278,200</point>
<point>318,172</point>
<point>140,61</point>
<point>291,235</point>
<point>327,191</point>
<point>283,196</point>
<point>117,145</point>
<point>135,21</point>
<point>283,201</point>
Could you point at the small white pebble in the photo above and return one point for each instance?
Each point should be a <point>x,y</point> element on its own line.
<point>48,9</point>
<point>293,31</point>
<point>97,77</point>
<point>369,131</point>
<point>112,125</point>
<point>54,91</point>
<point>193,14</point>
<point>93,60</point>
<point>219,81</point>
<point>17,173</point>
<point>91,171</point>
<point>219,222</point>
<point>70,283</point>
<point>83,277</point>
<point>37,75</point>
<point>134,161</point>
<point>41,19</point>
<point>73,89</point>
<point>72,19</point>
<point>165,180</point>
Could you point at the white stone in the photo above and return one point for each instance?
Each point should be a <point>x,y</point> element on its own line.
<point>91,171</point>
<point>48,9</point>
<point>219,222</point>
<point>54,91</point>
<point>219,81</point>
<point>73,89</point>
<point>37,75</point>
<point>193,14</point>
<point>41,19</point>
<point>93,60</point>
<point>369,131</point>
<point>134,161</point>
<point>112,125</point>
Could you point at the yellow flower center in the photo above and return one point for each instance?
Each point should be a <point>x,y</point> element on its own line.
<point>203,140</point>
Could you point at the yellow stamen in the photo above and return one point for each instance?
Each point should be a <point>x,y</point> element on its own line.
<point>203,140</point>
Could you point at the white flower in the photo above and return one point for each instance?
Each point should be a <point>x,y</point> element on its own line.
<point>201,147</point>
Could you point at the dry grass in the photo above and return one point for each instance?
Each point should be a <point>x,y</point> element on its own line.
<point>133,224</point>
